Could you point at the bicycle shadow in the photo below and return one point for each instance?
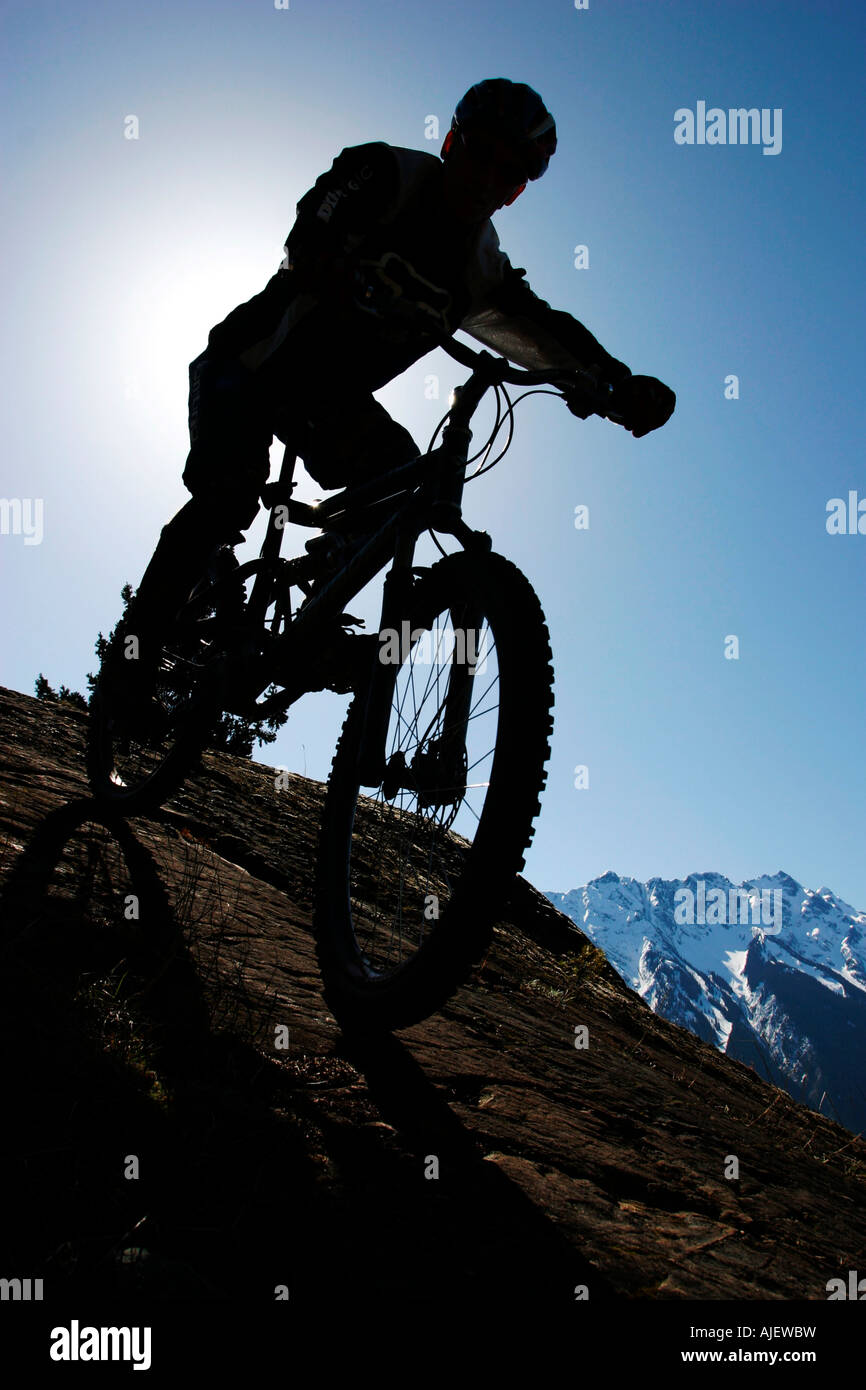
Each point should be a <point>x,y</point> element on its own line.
<point>125,1103</point>
<point>246,1174</point>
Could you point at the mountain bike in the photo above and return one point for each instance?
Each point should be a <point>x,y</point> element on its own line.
<point>437,775</point>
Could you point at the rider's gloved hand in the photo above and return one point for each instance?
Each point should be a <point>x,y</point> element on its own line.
<point>643,402</point>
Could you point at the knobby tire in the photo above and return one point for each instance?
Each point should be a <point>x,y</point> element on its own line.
<point>372,999</point>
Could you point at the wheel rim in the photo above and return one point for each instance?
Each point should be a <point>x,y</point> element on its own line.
<point>411,840</point>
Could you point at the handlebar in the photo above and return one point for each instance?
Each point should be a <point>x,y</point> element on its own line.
<point>582,387</point>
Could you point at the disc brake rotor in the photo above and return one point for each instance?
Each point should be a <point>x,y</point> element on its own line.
<point>436,776</point>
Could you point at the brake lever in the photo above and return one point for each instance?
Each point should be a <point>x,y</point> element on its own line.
<point>594,394</point>
<point>583,398</point>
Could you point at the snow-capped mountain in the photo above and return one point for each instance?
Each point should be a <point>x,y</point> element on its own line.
<point>771,973</point>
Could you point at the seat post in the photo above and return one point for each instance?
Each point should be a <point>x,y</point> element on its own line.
<point>287,467</point>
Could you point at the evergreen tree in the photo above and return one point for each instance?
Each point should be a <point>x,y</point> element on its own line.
<point>231,734</point>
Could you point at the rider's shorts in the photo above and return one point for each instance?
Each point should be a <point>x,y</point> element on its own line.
<point>353,443</point>
<point>307,399</point>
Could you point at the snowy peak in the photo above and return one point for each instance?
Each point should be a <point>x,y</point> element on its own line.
<point>767,970</point>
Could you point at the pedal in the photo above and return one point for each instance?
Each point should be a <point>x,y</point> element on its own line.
<point>347,620</point>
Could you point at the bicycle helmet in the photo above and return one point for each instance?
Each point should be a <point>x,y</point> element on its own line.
<point>498,111</point>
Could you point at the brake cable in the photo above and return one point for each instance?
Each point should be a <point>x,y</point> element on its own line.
<point>535,391</point>
<point>484,466</point>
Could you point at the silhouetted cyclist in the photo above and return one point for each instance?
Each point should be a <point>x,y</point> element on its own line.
<point>302,358</point>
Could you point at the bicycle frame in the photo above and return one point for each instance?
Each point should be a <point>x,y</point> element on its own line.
<point>424,494</point>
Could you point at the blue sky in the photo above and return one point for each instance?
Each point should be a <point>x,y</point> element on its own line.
<point>704,261</point>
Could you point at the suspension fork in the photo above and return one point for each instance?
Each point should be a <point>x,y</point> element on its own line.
<point>396,605</point>
<point>461,682</point>
<point>396,601</point>
<point>448,516</point>
<point>445,515</point>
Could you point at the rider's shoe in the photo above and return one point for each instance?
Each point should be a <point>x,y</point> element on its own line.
<point>133,706</point>
<point>128,687</point>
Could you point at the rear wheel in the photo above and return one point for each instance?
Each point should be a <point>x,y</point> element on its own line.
<point>134,761</point>
<point>411,877</point>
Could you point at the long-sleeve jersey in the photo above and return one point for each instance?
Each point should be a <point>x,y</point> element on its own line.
<point>378,198</point>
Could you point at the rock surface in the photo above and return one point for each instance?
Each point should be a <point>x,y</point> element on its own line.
<point>152,1039</point>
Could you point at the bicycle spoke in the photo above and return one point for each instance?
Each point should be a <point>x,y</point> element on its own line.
<point>411,846</point>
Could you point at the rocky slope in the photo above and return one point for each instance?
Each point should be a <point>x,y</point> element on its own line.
<point>146,967</point>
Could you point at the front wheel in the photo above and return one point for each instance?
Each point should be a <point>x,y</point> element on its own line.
<point>410,878</point>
